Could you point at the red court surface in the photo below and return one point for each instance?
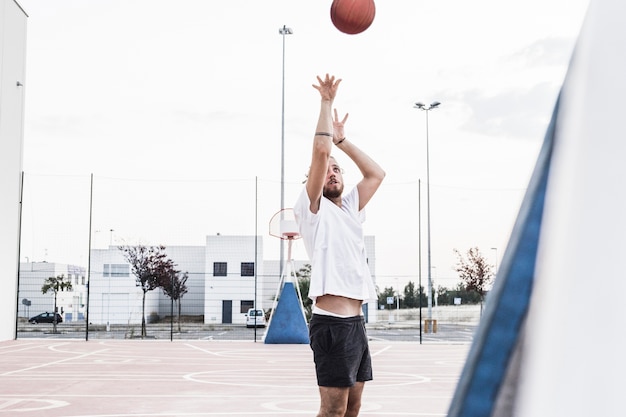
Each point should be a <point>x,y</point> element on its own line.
<point>118,378</point>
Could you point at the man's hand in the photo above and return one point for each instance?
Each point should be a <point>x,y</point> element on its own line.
<point>338,133</point>
<point>327,87</point>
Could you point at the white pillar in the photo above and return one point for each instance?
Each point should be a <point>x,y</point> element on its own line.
<point>12,72</point>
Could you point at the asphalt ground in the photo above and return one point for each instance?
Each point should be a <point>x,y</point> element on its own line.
<point>141,378</point>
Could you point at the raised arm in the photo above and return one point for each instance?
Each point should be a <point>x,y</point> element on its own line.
<point>323,141</point>
<point>373,174</point>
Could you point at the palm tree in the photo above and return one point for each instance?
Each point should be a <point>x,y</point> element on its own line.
<point>55,284</point>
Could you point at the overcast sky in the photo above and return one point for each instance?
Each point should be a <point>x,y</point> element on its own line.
<point>161,91</point>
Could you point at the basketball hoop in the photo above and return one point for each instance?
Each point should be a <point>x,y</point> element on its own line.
<point>283,225</point>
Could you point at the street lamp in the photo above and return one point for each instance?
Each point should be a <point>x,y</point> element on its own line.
<point>109,296</point>
<point>496,249</point>
<point>432,283</point>
<point>282,31</point>
<point>397,301</point>
<point>425,108</point>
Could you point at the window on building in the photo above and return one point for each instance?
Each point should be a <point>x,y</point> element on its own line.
<point>246,305</point>
<point>219,269</point>
<point>120,270</point>
<point>247,269</point>
<point>116,270</point>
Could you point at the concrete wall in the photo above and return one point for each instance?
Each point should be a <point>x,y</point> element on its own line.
<point>12,80</point>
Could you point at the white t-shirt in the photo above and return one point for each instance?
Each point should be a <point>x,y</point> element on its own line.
<point>333,239</point>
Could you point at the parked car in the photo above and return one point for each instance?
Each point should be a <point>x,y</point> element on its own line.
<point>255,317</point>
<point>45,318</point>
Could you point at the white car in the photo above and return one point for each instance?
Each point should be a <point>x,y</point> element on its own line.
<point>255,318</point>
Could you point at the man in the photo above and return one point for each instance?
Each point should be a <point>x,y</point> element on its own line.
<point>331,228</point>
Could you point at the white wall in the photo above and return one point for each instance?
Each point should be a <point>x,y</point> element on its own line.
<point>116,300</point>
<point>189,259</point>
<point>233,250</point>
<point>12,72</point>
<point>124,305</point>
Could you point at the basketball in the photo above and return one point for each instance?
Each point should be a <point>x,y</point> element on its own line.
<point>352,16</point>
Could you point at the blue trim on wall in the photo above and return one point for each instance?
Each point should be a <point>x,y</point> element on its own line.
<point>507,303</point>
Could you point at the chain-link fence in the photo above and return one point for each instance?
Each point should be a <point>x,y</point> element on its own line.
<point>74,228</point>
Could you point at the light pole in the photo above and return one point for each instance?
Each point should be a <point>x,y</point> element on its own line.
<point>432,283</point>
<point>496,249</point>
<point>397,301</point>
<point>109,297</point>
<point>283,32</point>
<point>425,108</point>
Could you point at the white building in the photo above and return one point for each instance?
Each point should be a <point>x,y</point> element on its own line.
<point>70,304</point>
<point>223,282</point>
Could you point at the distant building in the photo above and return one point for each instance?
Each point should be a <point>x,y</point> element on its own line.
<point>31,301</point>
<point>226,277</point>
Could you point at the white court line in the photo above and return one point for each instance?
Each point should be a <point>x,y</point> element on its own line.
<point>217,354</point>
<point>202,350</point>
<point>53,363</point>
<point>22,405</point>
<point>234,413</point>
<point>383,413</point>
<point>20,348</point>
<point>380,351</point>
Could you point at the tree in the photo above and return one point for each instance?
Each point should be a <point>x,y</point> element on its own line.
<point>441,294</point>
<point>387,292</point>
<point>304,284</point>
<point>411,296</point>
<point>175,286</point>
<point>55,284</point>
<point>474,272</point>
<point>151,266</point>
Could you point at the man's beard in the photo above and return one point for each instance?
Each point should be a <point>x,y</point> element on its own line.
<point>332,193</point>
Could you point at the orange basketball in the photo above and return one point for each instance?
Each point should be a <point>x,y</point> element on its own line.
<point>352,16</point>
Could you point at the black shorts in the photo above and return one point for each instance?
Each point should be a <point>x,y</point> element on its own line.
<point>340,350</point>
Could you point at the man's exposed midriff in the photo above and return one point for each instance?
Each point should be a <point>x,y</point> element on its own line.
<point>339,305</point>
